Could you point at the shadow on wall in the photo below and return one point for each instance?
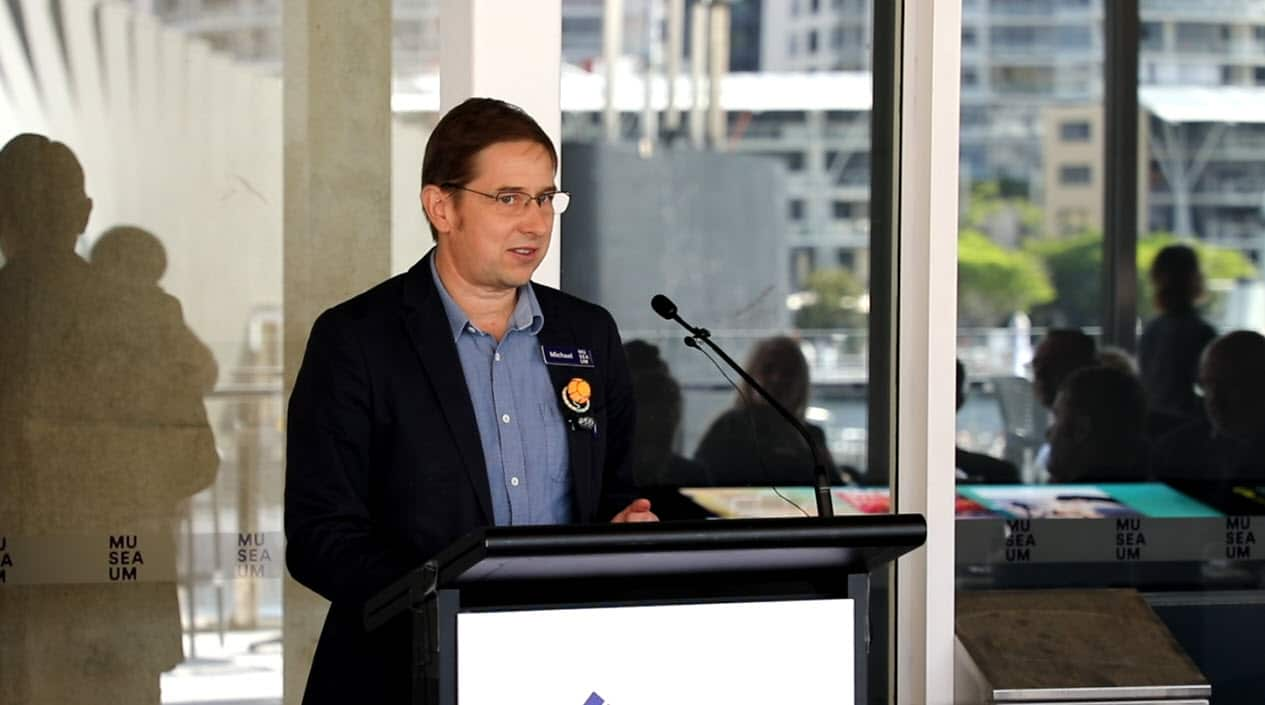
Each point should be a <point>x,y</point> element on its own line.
<point>103,434</point>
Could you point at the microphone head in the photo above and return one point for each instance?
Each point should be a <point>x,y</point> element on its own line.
<point>663,306</point>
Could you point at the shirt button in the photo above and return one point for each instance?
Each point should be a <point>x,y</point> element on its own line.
<point>505,418</point>
<point>498,357</point>
<point>514,481</point>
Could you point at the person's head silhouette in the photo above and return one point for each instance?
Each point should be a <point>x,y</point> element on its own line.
<point>1232,377</point>
<point>658,395</point>
<point>658,413</point>
<point>1099,418</point>
<point>1060,353</point>
<point>129,253</point>
<point>43,206</point>
<point>1176,280</point>
<point>779,366</point>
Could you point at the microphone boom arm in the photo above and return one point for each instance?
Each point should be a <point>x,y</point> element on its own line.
<point>821,487</point>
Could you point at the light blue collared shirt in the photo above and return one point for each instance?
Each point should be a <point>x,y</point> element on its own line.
<point>520,427</point>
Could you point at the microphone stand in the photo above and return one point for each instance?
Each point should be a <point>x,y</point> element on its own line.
<point>821,486</point>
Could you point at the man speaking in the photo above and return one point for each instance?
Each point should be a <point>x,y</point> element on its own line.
<point>454,396</point>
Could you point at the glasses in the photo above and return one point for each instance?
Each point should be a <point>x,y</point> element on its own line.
<point>517,202</point>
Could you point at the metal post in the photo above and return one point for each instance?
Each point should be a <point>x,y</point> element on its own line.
<point>1120,163</point>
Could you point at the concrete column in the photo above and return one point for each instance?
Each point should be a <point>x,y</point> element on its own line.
<point>698,69</point>
<point>653,70</point>
<point>676,34</point>
<point>717,68</point>
<point>612,49</point>
<point>510,50</point>
<point>818,197</point>
<point>337,105</point>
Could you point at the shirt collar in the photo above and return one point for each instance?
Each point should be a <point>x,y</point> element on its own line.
<point>527,315</point>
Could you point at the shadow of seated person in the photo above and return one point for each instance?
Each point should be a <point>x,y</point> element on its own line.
<point>1158,421</point>
<point>1098,430</point>
<point>751,443</point>
<point>655,462</point>
<point>103,434</point>
<point>1229,445</point>
<point>129,262</point>
<point>978,468</point>
<point>658,470</point>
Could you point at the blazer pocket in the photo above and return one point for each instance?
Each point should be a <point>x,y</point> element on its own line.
<point>555,436</point>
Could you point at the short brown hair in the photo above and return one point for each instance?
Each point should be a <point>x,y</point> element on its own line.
<point>467,130</point>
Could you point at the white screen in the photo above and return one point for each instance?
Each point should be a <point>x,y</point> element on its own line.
<point>750,653</point>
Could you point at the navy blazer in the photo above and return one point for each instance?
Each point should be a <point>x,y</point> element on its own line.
<point>384,467</point>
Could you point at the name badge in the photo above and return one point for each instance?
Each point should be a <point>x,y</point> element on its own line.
<point>571,357</point>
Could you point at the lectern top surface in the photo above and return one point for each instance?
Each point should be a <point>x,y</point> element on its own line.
<point>770,557</point>
<point>849,544</point>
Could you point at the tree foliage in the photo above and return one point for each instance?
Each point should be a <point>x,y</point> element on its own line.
<point>993,206</point>
<point>994,282</point>
<point>1075,265</point>
<point>836,301</point>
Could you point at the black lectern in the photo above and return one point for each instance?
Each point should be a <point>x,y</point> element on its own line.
<point>549,568</point>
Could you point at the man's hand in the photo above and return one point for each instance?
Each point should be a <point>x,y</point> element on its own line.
<point>639,510</point>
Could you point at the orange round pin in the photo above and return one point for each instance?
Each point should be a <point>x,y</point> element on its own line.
<point>576,395</point>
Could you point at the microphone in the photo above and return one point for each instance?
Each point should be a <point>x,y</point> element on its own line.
<point>663,306</point>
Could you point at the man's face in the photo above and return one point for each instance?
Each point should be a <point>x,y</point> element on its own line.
<point>487,245</point>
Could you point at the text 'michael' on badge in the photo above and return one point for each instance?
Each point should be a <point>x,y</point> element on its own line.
<point>571,357</point>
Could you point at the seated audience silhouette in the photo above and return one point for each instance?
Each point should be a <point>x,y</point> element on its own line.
<point>655,463</point>
<point>750,443</point>
<point>978,467</point>
<point>1171,343</point>
<point>1118,358</point>
<point>1097,433</point>
<point>1060,353</point>
<point>1227,446</point>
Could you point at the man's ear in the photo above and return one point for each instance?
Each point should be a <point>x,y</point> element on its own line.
<point>438,207</point>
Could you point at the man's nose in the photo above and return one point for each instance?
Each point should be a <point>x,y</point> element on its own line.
<point>538,217</point>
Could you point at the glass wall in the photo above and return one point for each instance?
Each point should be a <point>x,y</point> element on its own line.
<point>141,378</point>
<point>1031,217</point>
<point>1089,462</point>
<point>731,174</point>
<point>141,227</point>
<point>751,212</point>
<point>140,373</point>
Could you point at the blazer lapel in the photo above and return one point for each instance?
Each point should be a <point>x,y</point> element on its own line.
<point>431,337</point>
<point>558,333</point>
